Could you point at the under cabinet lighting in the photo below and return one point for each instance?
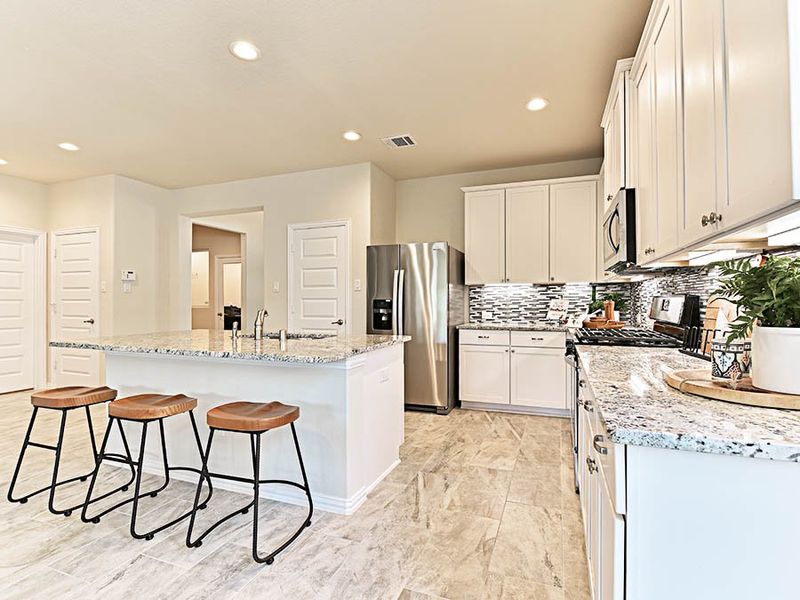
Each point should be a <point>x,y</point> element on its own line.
<point>700,259</point>
<point>786,238</point>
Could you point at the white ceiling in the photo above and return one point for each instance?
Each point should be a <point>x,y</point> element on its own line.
<point>148,89</point>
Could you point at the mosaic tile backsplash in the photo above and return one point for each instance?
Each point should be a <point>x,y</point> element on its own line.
<point>521,303</point>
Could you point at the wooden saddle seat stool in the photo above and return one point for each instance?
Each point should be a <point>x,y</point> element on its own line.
<point>253,419</point>
<point>145,409</point>
<point>64,400</point>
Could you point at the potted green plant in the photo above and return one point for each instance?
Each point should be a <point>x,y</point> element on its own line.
<point>620,303</point>
<point>767,292</point>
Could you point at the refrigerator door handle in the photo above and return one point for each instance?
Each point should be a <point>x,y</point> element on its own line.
<point>401,286</point>
<point>394,301</point>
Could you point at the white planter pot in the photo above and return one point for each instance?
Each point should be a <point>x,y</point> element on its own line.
<point>775,352</point>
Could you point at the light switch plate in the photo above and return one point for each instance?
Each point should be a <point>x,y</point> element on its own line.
<point>357,285</point>
<point>276,287</point>
<point>126,287</point>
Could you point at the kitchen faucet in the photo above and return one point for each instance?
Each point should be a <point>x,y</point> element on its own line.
<point>259,324</point>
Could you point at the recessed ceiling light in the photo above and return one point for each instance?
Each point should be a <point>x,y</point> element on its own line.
<point>351,136</point>
<point>537,104</point>
<point>69,147</point>
<point>3,161</point>
<point>245,50</point>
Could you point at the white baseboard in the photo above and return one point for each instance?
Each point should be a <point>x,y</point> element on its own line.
<point>280,493</point>
<point>511,408</point>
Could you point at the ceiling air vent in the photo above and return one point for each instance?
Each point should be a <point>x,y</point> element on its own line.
<point>399,141</point>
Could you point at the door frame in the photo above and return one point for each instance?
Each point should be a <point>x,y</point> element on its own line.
<point>40,332</point>
<point>348,301</point>
<point>52,278</point>
<point>219,260</point>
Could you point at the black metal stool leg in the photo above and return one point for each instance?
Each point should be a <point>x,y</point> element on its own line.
<point>22,451</point>
<point>256,441</point>
<point>56,464</point>
<point>305,479</point>
<point>138,485</point>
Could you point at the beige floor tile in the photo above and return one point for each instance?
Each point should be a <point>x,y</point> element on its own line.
<point>536,484</point>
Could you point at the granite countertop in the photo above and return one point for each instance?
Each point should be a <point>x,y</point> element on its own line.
<point>640,409</point>
<point>206,343</point>
<point>526,326</point>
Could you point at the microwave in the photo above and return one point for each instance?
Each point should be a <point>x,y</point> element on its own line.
<point>619,232</point>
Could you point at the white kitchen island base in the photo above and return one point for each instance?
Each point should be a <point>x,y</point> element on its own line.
<point>350,427</point>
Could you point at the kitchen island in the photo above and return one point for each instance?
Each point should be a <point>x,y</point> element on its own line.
<point>349,390</point>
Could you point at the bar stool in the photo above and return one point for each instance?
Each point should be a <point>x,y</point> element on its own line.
<point>62,399</point>
<point>145,409</point>
<point>254,419</point>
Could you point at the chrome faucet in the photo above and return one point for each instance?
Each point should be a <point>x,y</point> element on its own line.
<point>259,324</point>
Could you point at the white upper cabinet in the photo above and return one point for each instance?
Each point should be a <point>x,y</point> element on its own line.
<point>667,125</point>
<point>541,232</point>
<point>615,125</point>
<point>705,170</point>
<point>573,227</point>
<point>758,110</point>
<point>485,236</point>
<point>527,234</point>
<point>644,161</point>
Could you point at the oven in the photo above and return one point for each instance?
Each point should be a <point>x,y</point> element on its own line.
<point>573,396</point>
<point>619,232</point>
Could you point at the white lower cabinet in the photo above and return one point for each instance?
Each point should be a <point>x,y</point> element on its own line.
<point>484,373</point>
<point>522,370</point>
<point>537,377</point>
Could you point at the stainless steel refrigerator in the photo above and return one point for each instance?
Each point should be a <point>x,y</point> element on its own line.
<point>418,290</point>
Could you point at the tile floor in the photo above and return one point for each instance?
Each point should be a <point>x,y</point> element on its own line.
<point>482,506</point>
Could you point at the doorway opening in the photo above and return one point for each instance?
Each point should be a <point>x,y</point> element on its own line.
<point>217,277</point>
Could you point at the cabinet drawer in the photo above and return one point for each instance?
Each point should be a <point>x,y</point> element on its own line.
<point>483,337</point>
<point>539,339</point>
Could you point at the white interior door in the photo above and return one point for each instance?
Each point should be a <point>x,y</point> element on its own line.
<point>75,306</point>
<point>318,276</point>
<point>17,318</point>
<point>228,292</point>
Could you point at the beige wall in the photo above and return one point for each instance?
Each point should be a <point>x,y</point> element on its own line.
<point>432,208</point>
<point>309,196</point>
<point>23,203</point>
<point>218,243</point>
<point>383,207</point>
<point>251,226</point>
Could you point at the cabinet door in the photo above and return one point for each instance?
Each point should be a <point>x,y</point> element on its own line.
<point>667,123</point>
<point>538,377</point>
<point>759,143</point>
<point>484,373</point>
<point>705,154</point>
<point>573,228</point>
<point>611,530</point>
<point>646,213</point>
<point>485,236</point>
<point>527,234</point>
<point>588,488</point>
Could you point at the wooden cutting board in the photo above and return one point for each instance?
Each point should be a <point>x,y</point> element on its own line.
<point>699,383</point>
<point>603,324</point>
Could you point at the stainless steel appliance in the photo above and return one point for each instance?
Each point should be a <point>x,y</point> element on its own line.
<point>619,232</point>
<point>418,290</point>
<point>643,338</point>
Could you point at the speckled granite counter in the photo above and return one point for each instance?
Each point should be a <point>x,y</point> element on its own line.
<point>529,326</point>
<point>218,344</point>
<point>640,409</point>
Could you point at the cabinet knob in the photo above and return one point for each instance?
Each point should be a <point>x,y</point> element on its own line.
<point>705,221</point>
<point>513,351</point>
<point>552,279</point>
<point>587,406</point>
<point>609,197</point>
<point>592,465</point>
<point>582,383</point>
<point>714,217</point>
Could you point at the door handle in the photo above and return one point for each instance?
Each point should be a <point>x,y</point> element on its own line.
<point>339,322</point>
<point>89,321</point>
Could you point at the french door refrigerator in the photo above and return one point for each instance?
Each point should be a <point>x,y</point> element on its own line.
<point>418,290</point>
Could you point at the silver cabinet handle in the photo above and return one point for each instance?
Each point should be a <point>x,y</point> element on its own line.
<point>587,406</point>
<point>89,321</point>
<point>592,465</point>
<point>483,337</point>
<point>339,322</point>
<point>596,443</point>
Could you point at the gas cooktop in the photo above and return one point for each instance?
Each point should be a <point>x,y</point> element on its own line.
<point>626,337</point>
